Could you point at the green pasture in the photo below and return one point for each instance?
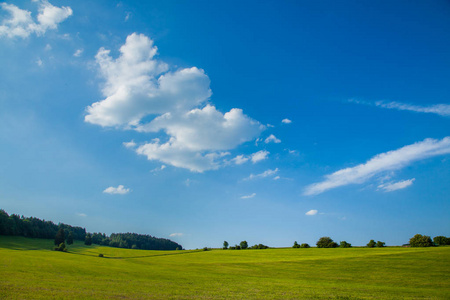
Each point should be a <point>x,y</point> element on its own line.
<point>30,270</point>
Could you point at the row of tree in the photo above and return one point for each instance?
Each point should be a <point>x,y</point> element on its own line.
<point>425,241</point>
<point>243,245</point>
<point>62,233</point>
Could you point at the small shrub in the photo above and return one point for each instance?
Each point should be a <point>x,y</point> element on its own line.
<point>100,255</point>
<point>205,249</point>
<point>61,247</point>
<point>305,245</point>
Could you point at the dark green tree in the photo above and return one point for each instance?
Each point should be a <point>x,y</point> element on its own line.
<point>88,239</point>
<point>344,244</point>
<point>305,245</point>
<point>371,244</point>
<point>326,242</point>
<point>380,244</point>
<point>59,237</point>
<point>420,241</point>
<point>296,245</point>
<point>441,240</point>
<point>225,245</point>
<point>70,238</point>
<point>244,245</point>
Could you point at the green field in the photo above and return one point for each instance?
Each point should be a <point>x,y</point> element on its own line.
<point>29,270</point>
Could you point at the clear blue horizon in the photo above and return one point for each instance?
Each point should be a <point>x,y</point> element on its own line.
<point>206,121</point>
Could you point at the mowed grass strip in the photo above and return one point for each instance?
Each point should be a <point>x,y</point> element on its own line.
<point>30,270</point>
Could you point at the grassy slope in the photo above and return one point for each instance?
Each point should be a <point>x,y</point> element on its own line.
<point>29,270</point>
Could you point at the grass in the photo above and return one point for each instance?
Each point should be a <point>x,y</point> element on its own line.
<point>30,270</point>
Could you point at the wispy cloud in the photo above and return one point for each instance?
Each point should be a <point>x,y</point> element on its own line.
<point>393,186</point>
<point>286,121</point>
<point>388,161</point>
<point>264,174</point>
<point>81,215</point>
<point>159,169</point>
<point>439,109</point>
<point>78,53</point>
<point>312,212</point>
<point>121,190</point>
<point>176,234</point>
<point>248,196</point>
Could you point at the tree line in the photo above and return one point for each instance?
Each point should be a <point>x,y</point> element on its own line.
<point>36,228</point>
<point>62,233</point>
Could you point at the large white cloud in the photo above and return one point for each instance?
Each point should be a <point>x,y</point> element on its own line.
<point>138,87</point>
<point>388,161</point>
<point>21,24</point>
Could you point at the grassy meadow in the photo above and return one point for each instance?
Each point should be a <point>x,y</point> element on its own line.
<point>30,270</point>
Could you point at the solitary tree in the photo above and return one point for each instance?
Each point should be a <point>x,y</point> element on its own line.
<point>380,244</point>
<point>225,245</point>
<point>70,238</point>
<point>371,244</point>
<point>59,237</point>
<point>244,245</point>
<point>88,239</point>
<point>326,242</point>
<point>344,244</point>
<point>420,241</point>
<point>296,245</point>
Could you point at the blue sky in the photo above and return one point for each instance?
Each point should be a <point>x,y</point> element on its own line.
<point>205,121</point>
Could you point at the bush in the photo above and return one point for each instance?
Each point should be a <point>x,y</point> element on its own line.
<point>100,255</point>
<point>380,244</point>
<point>61,247</point>
<point>371,244</point>
<point>326,242</point>
<point>296,245</point>
<point>259,246</point>
<point>344,244</point>
<point>304,245</point>
<point>205,249</point>
<point>420,241</point>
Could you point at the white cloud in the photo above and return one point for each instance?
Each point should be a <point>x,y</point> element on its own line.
<point>78,52</point>
<point>388,161</point>
<point>39,62</point>
<point>138,85</point>
<point>240,159</point>
<point>272,139</point>
<point>48,47</point>
<point>265,174</point>
<point>176,234</point>
<point>259,156</point>
<point>21,24</point>
<point>158,169</point>
<point>276,177</point>
<point>312,212</point>
<point>286,121</point>
<point>121,190</point>
<point>130,144</point>
<point>439,109</point>
<point>248,196</point>
<point>127,16</point>
<point>81,215</point>
<point>393,186</point>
